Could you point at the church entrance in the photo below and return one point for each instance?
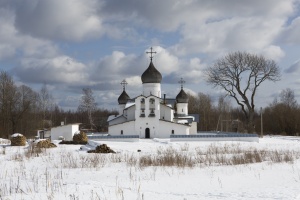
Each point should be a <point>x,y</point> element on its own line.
<point>147,133</point>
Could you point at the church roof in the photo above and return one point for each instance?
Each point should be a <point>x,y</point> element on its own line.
<point>151,75</point>
<point>182,97</point>
<point>123,98</point>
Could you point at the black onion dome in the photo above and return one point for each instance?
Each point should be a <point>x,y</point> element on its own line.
<point>123,98</point>
<point>182,97</point>
<point>151,75</point>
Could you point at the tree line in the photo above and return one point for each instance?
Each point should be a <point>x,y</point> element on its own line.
<point>23,110</point>
<point>280,117</point>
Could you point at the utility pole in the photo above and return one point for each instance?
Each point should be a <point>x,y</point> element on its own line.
<point>261,123</point>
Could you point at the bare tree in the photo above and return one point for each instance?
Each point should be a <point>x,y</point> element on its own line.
<point>287,97</point>
<point>46,102</point>
<point>240,74</point>
<point>202,104</point>
<point>24,99</point>
<point>224,113</point>
<point>8,92</point>
<point>88,104</point>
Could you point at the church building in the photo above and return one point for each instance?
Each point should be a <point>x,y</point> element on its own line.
<point>150,115</point>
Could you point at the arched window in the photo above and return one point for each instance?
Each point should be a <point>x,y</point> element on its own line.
<point>172,131</point>
<point>121,132</point>
<point>142,112</point>
<point>152,103</point>
<point>152,107</point>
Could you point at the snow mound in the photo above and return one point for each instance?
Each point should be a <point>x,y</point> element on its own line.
<point>91,145</point>
<point>16,135</point>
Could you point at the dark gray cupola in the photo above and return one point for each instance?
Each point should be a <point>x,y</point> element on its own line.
<point>182,97</point>
<point>123,98</point>
<point>151,75</point>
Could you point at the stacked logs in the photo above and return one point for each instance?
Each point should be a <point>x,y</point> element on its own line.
<point>19,140</point>
<point>103,148</point>
<point>45,144</point>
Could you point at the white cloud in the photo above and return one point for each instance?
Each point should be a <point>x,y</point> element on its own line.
<point>273,52</point>
<point>251,34</point>
<point>166,62</point>
<point>12,42</point>
<point>60,70</point>
<point>291,33</point>
<point>68,19</point>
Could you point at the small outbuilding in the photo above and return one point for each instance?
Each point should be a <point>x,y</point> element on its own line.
<point>64,131</point>
<point>43,134</point>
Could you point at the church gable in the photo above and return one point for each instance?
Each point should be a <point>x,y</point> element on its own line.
<point>147,106</point>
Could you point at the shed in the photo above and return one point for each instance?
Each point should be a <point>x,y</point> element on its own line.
<point>65,131</point>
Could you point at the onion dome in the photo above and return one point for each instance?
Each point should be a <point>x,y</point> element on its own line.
<point>182,97</point>
<point>151,75</point>
<point>123,98</point>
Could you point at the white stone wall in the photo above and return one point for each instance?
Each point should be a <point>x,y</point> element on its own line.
<point>166,128</point>
<point>152,88</point>
<point>66,131</point>
<point>131,113</point>
<point>121,108</point>
<point>182,108</point>
<point>166,113</point>
<point>193,129</point>
<point>141,123</point>
<point>127,127</point>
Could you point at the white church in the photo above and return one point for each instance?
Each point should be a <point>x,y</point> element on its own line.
<point>149,115</point>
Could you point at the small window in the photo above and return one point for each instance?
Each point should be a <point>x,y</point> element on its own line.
<point>121,132</point>
<point>152,101</point>
<point>182,110</point>
<point>172,131</point>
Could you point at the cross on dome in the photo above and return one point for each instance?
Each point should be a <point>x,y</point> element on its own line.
<point>124,83</point>
<point>151,52</point>
<point>181,82</point>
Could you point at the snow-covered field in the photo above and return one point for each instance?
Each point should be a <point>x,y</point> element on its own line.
<point>211,170</point>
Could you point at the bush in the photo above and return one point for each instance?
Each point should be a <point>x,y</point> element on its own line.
<point>80,137</point>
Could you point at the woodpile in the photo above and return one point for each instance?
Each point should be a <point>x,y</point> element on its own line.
<point>45,144</point>
<point>18,140</point>
<point>103,148</point>
<point>80,137</point>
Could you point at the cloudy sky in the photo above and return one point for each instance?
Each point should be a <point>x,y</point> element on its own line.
<point>72,44</point>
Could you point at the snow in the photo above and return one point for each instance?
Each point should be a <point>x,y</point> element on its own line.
<point>66,172</point>
<point>182,121</point>
<point>16,135</point>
